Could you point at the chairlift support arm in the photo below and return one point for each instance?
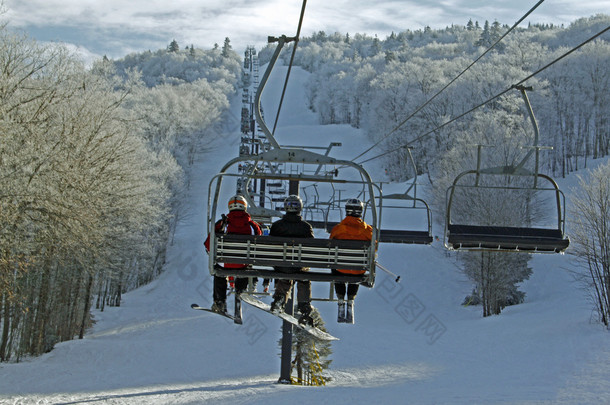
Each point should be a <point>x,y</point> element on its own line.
<point>257,98</point>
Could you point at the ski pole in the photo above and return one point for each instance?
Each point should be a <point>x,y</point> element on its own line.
<point>389,272</point>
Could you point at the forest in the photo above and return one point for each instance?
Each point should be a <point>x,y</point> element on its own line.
<point>375,84</point>
<point>95,160</point>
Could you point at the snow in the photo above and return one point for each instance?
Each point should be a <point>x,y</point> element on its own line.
<point>413,341</point>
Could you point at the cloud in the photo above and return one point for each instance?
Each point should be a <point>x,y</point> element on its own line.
<point>118,27</point>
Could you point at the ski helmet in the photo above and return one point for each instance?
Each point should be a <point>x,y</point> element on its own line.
<point>238,203</point>
<point>354,207</point>
<point>293,203</point>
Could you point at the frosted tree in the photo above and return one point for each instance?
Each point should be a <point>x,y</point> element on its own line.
<point>425,60</point>
<point>578,119</point>
<point>174,68</point>
<point>83,198</point>
<point>495,276</point>
<point>226,48</point>
<point>590,228</point>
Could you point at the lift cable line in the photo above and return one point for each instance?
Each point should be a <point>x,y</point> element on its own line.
<point>492,98</point>
<point>294,49</point>
<point>451,82</point>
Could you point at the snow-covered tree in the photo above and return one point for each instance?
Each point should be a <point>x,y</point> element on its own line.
<point>226,48</point>
<point>310,355</point>
<point>496,275</point>
<point>590,228</point>
<point>84,200</point>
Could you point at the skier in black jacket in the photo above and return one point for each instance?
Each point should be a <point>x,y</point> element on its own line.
<point>293,225</point>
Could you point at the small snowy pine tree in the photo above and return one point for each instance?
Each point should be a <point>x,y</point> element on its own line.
<point>311,355</point>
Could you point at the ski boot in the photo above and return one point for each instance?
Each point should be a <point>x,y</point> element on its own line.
<point>305,310</point>
<point>220,307</point>
<point>278,304</point>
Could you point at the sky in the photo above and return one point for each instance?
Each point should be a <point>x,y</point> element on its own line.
<point>116,28</point>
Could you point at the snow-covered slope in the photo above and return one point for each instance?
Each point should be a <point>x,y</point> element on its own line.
<point>413,342</point>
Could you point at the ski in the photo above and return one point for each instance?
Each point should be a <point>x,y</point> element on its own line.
<point>312,330</point>
<point>226,314</point>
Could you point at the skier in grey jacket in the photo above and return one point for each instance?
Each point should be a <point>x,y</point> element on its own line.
<point>293,225</point>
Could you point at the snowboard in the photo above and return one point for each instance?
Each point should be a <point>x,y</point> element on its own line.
<point>312,330</point>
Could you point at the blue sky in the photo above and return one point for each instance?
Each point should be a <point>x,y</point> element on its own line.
<point>118,27</point>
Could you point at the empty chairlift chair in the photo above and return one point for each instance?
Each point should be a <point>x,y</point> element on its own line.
<point>494,237</point>
<point>521,186</point>
<point>409,207</point>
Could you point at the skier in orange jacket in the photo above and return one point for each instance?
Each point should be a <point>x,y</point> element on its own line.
<point>352,228</point>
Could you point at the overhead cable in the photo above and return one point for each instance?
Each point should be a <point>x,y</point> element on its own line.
<point>294,49</point>
<point>451,82</point>
<point>494,97</point>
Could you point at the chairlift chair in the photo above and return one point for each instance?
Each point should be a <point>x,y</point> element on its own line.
<point>493,237</point>
<point>407,201</point>
<point>409,236</point>
<point>261,253</point>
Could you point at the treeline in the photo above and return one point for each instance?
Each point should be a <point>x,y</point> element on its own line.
<point>375,84</point>
<point>92,162</point>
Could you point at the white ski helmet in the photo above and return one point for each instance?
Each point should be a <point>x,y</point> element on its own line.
<point>238,203</point>
<point>354,207</point>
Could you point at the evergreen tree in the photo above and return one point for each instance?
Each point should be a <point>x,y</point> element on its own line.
<point>495,32</point>
<point>376,46</point>
<point>389,56</point>
<point>320,37</point>
<point>485,38</point>
<point>310,355</point>
<point>173,46</point>
<point>226,48</point>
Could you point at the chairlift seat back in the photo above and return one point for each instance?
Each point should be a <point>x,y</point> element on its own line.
<point>293,252</point>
